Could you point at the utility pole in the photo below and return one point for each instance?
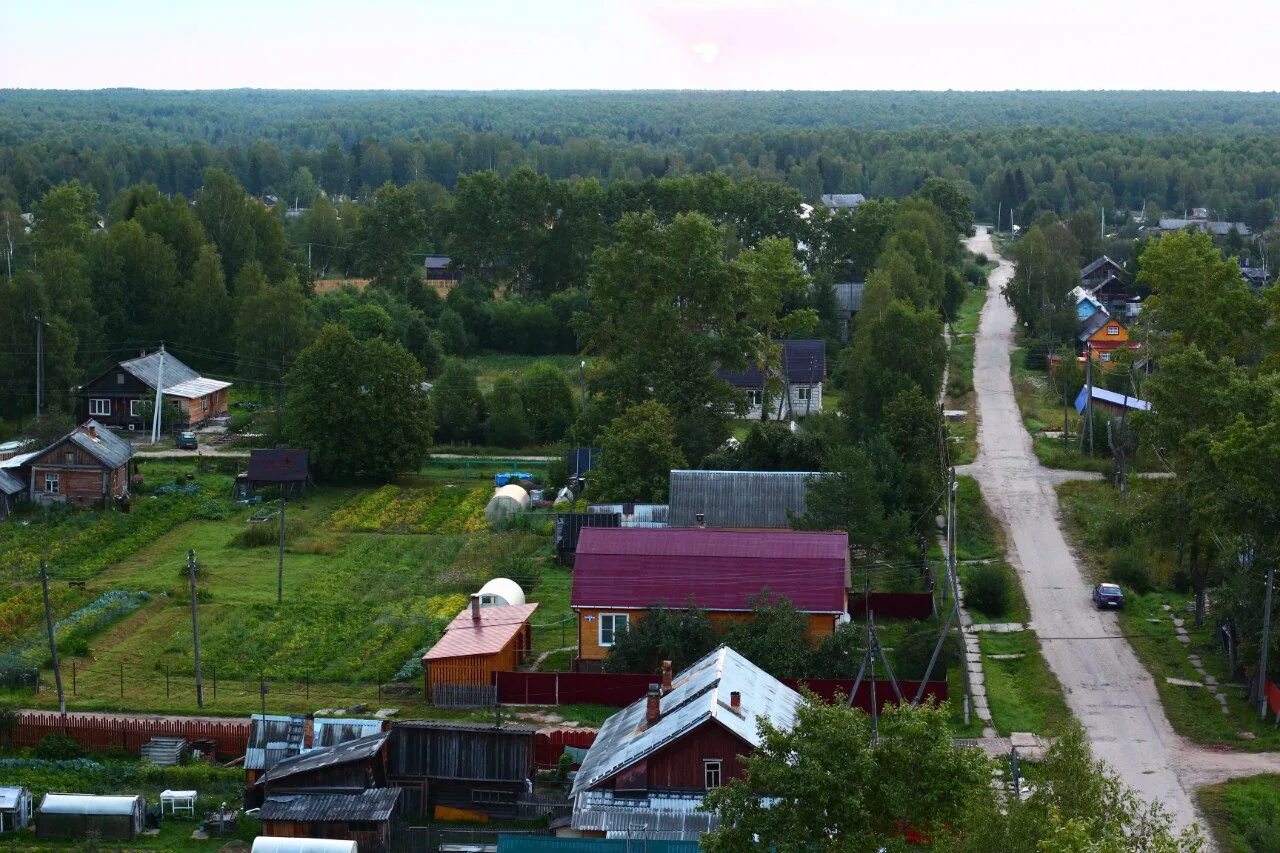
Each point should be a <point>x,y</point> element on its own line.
<point>1266,641</point>
<point>53,643</point>
<point>195,626</point>
<point>155,416</point>
<point>999,214</point>
<point>280,567</point>
<point>39,366</point>
<point>8,239</point>
<point>582,385</point>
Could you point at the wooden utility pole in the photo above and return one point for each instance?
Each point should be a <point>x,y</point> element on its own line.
<point>53,642</point>
<point>1266,641</point>
<point>280,566</point>
<point>39,366</point>
<point>195,626</point>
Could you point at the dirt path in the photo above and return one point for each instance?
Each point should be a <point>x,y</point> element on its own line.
<point>1106,686</point>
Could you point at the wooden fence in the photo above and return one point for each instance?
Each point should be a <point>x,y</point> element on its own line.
<point>128,733</point>
<point>897,605</point>
<point>548,746</point>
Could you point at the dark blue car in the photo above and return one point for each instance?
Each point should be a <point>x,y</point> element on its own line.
<point>1108,595</point>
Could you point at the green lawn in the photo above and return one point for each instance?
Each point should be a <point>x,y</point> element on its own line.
<point>978,534</point>
<point>1023,693</point>
<point>1244,814</point>
<point>959,391</point>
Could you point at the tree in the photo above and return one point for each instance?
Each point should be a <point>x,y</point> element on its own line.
<point>507,425</point>
<point>358,406</point>
<point>203,309</point>
<point>773,446</point>
<point>637,452</point>
<point>828,785</point>
<point>772,637</point>
<point>853,497</point>
<point>871,381</point>
<point>1040,291</point>
<point>459,406</point>
<point>548,402</point>
<point>391,228</point>
<point>271,329</point>
<point>64,216</point>
<point>954,199</point>
<point>680,636</point>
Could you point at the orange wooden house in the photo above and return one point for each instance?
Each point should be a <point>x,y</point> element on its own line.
<point>478,642</point>
<point>1101,335</point>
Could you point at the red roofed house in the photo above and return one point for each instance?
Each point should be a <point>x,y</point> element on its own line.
<point>620,573</point>
<point>478,642</point>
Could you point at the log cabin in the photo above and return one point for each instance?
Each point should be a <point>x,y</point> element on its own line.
<point>122,396</point>
<point>88,467</point>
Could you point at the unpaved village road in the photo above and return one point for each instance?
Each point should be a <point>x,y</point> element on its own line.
<point>1106,687</point>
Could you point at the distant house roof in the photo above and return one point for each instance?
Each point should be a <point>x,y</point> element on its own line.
<point>1093,323</point>
<point>359,749</point>
<point>638,568</point>
<point>549,844</point>
<point>489,634</point>
<point>282,465</point>
<point>10,484</point>
<point>194,389</point>
<point>437,262</point>
<point>109,449</point>
<point>331,731</point>
<point>676,817</point>
<point>1079,294</point>
<point>803,362</point>
<point>1097,264</point>
<point>849,295</point>
<point>1256,276</point>
<point>179,379</point>
<point>515,729</point>
<point>1216,228</point>
<point>272,739</point>
<point>1105,396</point>
<point>698,694</point>
<point>843,201</point>
<point>374,804</point>
<point>738,498</point>
<point>14,462</point>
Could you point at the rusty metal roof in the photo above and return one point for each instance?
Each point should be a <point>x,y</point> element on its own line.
<point>487,635</point>
<point>359,749</point>
<point>374,804</point>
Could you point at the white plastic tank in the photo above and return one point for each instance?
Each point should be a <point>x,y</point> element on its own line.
<point>506,501</point>
<point>500,592</point>
<point>268,844</point>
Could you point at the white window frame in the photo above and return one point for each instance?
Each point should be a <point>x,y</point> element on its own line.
<point>1113,330</point>
<point>99,407</point>
<point>51,479</point>
<point>755,397</point>
<point>803,392</point>
<point>1105,356</point>
<point>133,408</point>
<point>712,771</point>
<point>612,619</point>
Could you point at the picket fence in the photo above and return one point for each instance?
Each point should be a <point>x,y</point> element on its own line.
<point>130,733</point>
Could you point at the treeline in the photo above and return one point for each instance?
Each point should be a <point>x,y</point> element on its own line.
<point>1025,152</point>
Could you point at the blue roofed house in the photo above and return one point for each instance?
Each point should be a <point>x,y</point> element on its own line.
<point>803,369</point>
<point>654,761</point>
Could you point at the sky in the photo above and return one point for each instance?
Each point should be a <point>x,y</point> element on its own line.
<point>640,44</point>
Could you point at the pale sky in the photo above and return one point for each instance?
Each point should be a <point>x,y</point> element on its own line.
<point>640,44</point>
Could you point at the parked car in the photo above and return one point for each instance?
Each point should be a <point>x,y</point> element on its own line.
<point>1108,595</point>
<point>188,441</point>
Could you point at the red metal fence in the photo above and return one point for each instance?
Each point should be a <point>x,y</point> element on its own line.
<point>547,746</point>
<point>896,605</point>
<point>98,733</point>
<point>1273,698</point>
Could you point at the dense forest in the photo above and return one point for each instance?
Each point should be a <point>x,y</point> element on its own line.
<point>1031,152</point>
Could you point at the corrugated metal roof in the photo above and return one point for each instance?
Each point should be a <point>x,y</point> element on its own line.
<point>1093,323</point>
<point>271,741</point>
<point>149,371</point>
<point>1111,397</point>
<point>375,804</point>
<point>195,388</point>
<point>268,844</point>
<point>331,731</point>
<point>521,729</point>
<point>10,484</point>
<point>843,201</point>
<point>717,569</point>
<point>9,797</point>
<point>19,460</point>
<point>496,627</point>
<point>673,817</point>
<point>281,465</point>
<point>752,499</point>
<point>359,749</point>
<point>436,262</point>
<point>803,361</point>
<point>1215,227</point>
<point>1097,264</point>
<point>698,694</point>
<point>105,446</point>
<point>849,295</point>
<point>635,515</point>
<point>88,804</point>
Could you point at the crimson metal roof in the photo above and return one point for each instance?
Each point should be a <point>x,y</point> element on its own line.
<point>489,634</point>
<point>718,569</point>
<point>282,465</point>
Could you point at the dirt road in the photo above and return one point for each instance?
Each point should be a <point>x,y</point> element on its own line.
<point>1106,686</point>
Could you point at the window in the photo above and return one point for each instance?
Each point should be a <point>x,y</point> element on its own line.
<point>119,378</point>
<point>711,772</point>
<point>51,484</point>
<point>99,406</point>
<point>482,795</point>
<point>1113,330</point>
<point>1106,356</point>
<point>802,393</point>
<point>755,397</point>
<point>610,625</point>
<point>135,408</point>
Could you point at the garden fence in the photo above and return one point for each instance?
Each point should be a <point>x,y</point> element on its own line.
<point>897,605</point>
<point>96,732</point>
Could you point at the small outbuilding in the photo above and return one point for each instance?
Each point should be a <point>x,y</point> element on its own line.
<point>268,844</point>
<point>284,468</point>
<point>459,668</point>
<point>76,816</point>
<point>353,765</point>
<point>506,502</point>
<point>366,818</point>
<point>15,809</point>
<point>462,771</point>
<point>501,592</point>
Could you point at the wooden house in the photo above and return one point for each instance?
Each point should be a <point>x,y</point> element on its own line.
<point>655,760</point>
<point>621,573</point>
<point>800,376</point>
<point>367,817</point>
<point>88,467</point>
<point>1102,335</point>
<point>120,396</point>
<point>849,298</point>
<point>477,643</point>
<point>455,770</point>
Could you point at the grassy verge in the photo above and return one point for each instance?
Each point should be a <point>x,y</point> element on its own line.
<point>978,535</point>
<point>1244,814</point>
<point>1023,693</point>
<point>959,392</point>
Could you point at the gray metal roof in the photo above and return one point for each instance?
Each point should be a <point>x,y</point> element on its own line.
<point>462,725</point>
<point>659,815</point>
<point>1093,323</point>
<point>843,201</point>
<point>10,797</point>
<point>270,741</point>
<point>148,370</point>
<point>375,804</point>
<point>89,804</point>
<point>1214,227</point>
<point>359,749</point>
<point>640,515</point>
<point>849,295</point>
<point>10,485</point>
<point>738,498</point>
<point>331,731</point>
<point>104,445</point>
<point>1097,264</point>
<point>698,694</point>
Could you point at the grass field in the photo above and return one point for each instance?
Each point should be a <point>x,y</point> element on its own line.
<point>1244,814</point>
<point>959,390</point>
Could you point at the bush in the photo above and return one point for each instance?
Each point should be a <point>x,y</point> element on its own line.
<point>213,510</point>
<point>1116,531</point>
<point>911,654</point>
<point>58,747</point>
<point>987,589</point>
<point>981,259</point>
<point>975,274</point>
<point>266,533</point>
<point>1129,569</point>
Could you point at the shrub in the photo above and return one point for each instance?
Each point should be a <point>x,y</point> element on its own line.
<point>911,654</point>
<point>987,588</point>
<point>213,510</point>
<point>1116,530</point>
<point>981,259</point>
<point>265,534</point>
<point>1129,569</point>
<point>58,747</point>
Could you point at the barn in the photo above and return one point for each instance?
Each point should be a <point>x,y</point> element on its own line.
<point>368,818</point>
<point>78,816</point>
<point>12,490</point>
<point>480,641</point>
<point>457,770</point>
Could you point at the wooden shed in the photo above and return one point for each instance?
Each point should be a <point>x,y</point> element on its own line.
<point>478,642</point>
<point>461,770</point>
<point>367,818</point>
<point>77,816</point>
<point>15,809</point>
<point>353,765</point>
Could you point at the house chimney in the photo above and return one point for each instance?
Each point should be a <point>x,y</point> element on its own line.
<point>475,607</point>
<point>735,701</point>
<point>653,705</point>
<point>93,431</point>
<point>701,519</point>
<point>666,677</point>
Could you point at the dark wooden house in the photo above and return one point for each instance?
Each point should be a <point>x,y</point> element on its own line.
<point>367,817</point>
<point>88,467</point>
<point>460,770</point>
<point>272,739</point>
<point>122,395</point>
<point>350,766</point>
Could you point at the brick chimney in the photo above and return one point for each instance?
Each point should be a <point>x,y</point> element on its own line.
<point>701,519</point>
<point>666,677</point>
<point>93,431</point>
<point>653,705</point>
<point>475,607</point>
<point>735,701</point>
